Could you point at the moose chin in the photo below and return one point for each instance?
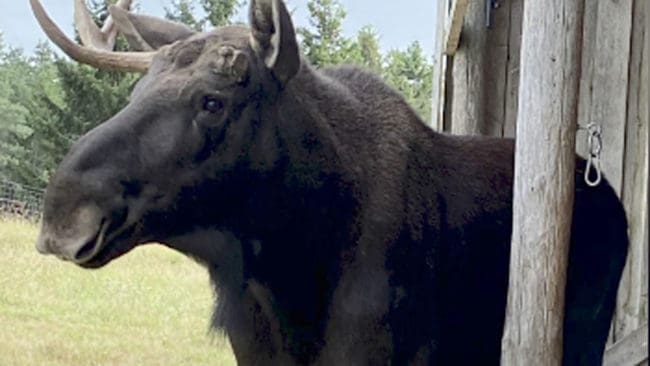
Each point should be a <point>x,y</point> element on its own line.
<point>337,227</point>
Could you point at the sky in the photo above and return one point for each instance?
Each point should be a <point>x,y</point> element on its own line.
<point>398,23</point>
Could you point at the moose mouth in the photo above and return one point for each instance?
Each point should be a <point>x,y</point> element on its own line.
<point>91,237</point>
<point>113,239</point>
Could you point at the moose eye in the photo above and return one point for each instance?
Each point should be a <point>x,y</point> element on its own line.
<point>212,104</point>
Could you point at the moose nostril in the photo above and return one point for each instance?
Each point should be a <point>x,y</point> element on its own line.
<point>131,188</point>
<point>44,245</point>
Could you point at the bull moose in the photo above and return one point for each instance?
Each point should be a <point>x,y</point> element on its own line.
<point>337,228</point>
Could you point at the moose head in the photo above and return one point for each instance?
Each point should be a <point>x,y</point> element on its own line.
<point>201,129</point>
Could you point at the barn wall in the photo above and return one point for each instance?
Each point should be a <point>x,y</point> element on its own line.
<point>605,77</point>
<point>633,297</point>
<point>482,81</point>
<point>613,92</point>
<point>468,70</point>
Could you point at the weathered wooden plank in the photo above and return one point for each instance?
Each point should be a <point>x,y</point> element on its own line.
<point>467,103</point>
<point>454,25</point>
<point>495,70</point>
<point>512,71</point>
<point>608,54</point>
<point>587,74</point>
<point>633,292</point>
<point>439,72</point>
<point>544,181</point>
<point>449,94</point>
<point>630,351</point>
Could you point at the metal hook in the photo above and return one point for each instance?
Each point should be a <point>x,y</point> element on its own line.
<point>595,143</point>
<point>595,163</point>
<point>490,6</point>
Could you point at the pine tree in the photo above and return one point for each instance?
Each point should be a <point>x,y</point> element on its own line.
<point>183,11</point>
<point>410,73</point>
<point>323,43</point>
<point>52,102</point>
<point>215,13</point>
<point>220,12</point>
<point>366,51</point>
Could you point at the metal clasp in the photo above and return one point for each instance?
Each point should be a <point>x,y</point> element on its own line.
<point>595,146</point>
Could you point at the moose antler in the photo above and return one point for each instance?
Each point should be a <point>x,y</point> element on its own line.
<point>98,50</point>
<point>90,34</point>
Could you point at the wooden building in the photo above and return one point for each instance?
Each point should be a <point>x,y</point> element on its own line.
<point>476,89</point>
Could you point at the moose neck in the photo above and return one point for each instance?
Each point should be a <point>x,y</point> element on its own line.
<point>289,227</point>
<point>309,181</point>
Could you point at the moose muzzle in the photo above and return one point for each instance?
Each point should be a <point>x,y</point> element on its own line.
<point>79,241</point>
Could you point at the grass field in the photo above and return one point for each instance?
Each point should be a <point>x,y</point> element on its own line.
<point>150,307</point>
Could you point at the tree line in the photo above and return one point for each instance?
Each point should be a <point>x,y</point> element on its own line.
<point>47,102</point>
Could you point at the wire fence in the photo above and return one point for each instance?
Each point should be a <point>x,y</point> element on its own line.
<point>17,200</point>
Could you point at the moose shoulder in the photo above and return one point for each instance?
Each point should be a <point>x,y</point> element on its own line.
<point>338,229</point>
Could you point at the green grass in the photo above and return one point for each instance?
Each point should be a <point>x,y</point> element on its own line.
<point>150,307</point>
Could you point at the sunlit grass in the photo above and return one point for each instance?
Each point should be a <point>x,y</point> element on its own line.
<point>150,307</point>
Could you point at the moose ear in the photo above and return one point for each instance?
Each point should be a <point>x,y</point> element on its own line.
<point>273,38</point>
<point>147,33</point>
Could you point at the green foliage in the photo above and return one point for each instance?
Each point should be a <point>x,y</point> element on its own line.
<point>183,11</point>
<point>219,12</point>
<point>89,97</point>
<point>22,78</point>
<point>48,103</point>
<point>367,46</point>
<point>324,44</point>
<point>216,13</point>
<point>409,72</point>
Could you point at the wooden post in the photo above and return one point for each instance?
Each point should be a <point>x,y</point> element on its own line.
<point>632,350</point>
<point>468,75</point>
<point>454,25</point>
<point>544,181</point>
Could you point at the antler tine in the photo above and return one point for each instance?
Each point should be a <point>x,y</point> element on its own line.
<point>100,58</point>
<point>124,4</point>
<point>89,33</point>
